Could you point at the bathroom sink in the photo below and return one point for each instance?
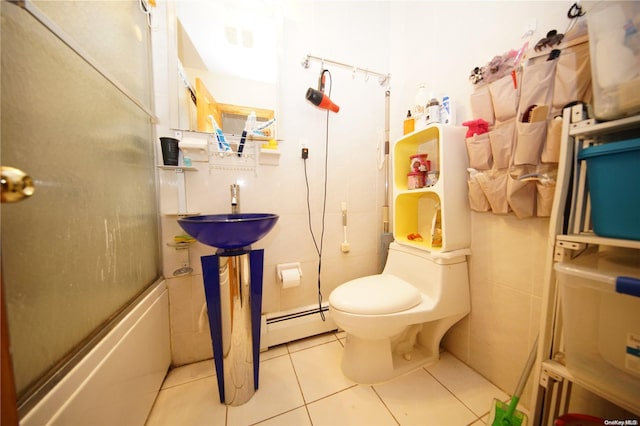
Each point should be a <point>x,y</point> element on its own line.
<point>229,231</point>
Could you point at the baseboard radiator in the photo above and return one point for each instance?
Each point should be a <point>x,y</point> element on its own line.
<point>287,326</point>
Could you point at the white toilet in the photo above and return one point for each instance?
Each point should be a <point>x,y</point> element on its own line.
<point>395,320</point>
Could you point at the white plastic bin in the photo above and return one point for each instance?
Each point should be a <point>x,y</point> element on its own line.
<point>601,324</point>
<point>614,40</point>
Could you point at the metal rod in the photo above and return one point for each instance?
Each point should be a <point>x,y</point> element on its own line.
<point>383,78</point>
<point>385,220</point>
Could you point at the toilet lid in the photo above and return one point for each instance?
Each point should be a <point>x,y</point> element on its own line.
<point>375,294</point>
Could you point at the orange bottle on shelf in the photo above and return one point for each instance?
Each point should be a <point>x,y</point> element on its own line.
<point>409,123</point>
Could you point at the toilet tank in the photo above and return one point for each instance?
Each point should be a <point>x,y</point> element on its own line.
<point>441,276</point>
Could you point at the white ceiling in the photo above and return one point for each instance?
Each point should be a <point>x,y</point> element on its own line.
<point>234,37</point>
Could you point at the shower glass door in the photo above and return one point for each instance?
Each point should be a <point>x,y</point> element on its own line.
<point>85,244</point>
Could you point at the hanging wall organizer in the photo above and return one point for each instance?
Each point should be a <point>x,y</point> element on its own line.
<point>513,166</point>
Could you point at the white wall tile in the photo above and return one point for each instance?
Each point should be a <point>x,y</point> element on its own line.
<point>433,42</point>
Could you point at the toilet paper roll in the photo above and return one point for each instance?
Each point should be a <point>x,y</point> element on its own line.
<point>194,148</point>
<point>290,278</point>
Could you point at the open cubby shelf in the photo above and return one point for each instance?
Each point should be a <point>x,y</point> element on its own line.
<point>415,209</point>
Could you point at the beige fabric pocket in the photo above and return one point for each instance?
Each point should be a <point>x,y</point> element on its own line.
<point>530,140</point>
<point>537,84</point>
<point>502,141</point>
<point>545,196</point>
<point>521,195</point>
<point>504,98</point>
<point>477,200</point>
<point>479,151</point>
<point>494,186</point>
<point>573,76</point>
<point>551,150</point>
<point>481,106</point>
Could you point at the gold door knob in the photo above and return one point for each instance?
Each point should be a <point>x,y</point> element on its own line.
<point>16,185</point>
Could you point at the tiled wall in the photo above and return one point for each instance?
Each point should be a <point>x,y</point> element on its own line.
<point>506,275</point>
<point>437,43</point>
<point>354,155</point>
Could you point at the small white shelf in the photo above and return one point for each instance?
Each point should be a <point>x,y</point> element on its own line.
<point>232,136</point>
<point>251,156</point>
<point>182,214</point>
<point>593,128</point>
<point>591,238</point>
<point>270,157</point>
<point>611,394</point>
<point>178,169</point>
<point>180,246</point>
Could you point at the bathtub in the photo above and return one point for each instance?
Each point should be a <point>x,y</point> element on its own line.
<point>116,383</point>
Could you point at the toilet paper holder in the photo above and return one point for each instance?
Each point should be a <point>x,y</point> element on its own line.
<point>287,266</point>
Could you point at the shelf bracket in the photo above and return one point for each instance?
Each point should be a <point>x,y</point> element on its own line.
<point>564,250</point>
<point>549,376</point>
<point>556,395</point>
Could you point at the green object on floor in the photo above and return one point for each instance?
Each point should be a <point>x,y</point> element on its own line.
<point>507,415</point>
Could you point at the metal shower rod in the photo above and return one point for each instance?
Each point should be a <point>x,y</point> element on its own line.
<point>382,78</point>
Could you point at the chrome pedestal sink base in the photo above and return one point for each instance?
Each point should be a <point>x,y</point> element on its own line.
<point>233,290</point>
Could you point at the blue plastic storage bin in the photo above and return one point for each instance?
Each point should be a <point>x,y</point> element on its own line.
<point>613,177</point>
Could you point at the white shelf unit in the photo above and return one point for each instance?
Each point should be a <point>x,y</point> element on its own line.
<point>570,235</point>
<point>414,209</point>
<point>581,135</point>
<point>251,155</point>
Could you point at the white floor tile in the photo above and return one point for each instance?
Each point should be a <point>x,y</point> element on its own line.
<point>274,352</point>
<point>418,399</point>
<point>468,386</point>
<point>310,342</point>
<point>297,417</point>
<point>195,403</point>
<point>189,373</point>
<point>308,372</point>
<point>278,392</point>
<point>356,406</point>
<point>318,370</point>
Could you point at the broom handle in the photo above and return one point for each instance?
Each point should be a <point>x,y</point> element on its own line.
<point>527,369</point>
<point>523,380</point>
<point>385,209</point>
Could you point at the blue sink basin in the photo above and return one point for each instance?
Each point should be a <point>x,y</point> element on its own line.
<point>229,231</point>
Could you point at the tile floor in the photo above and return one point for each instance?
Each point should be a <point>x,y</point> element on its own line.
<point>301,384</point>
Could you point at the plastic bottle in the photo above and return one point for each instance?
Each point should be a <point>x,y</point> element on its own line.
<point>409,123</point>
<point>251,122</point>
<point>420,103</point>
<point>446,117</point>
<point>433,111</point>
<point>436,228</point>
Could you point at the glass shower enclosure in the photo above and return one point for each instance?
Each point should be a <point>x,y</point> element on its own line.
<point>76,116</point>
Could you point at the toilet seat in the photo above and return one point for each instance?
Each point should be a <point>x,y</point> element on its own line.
<point>375,295</point>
